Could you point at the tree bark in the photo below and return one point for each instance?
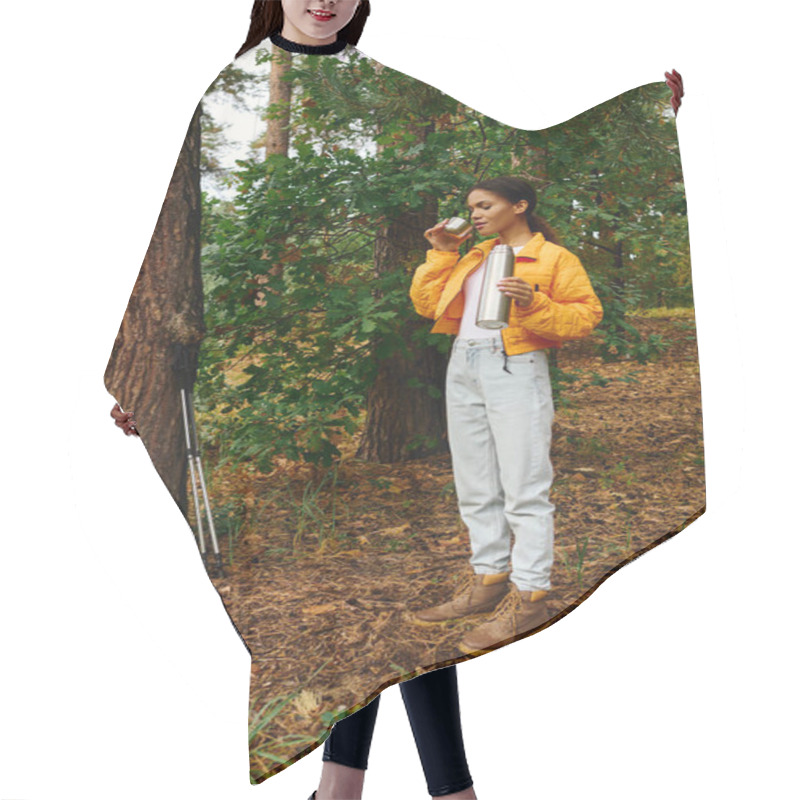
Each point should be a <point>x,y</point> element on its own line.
<point>165,313</point>
<point>405,422</point>
<point>278,134</point>
<point>280,98</point>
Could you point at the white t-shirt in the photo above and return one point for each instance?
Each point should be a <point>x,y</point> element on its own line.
<point>472,295</point>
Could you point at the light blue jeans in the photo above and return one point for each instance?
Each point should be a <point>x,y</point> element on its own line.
<point>499,426</point>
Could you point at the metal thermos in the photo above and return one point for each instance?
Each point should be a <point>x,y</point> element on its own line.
<point>494,306</point>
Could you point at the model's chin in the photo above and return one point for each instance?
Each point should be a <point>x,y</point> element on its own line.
<point>318,39</point>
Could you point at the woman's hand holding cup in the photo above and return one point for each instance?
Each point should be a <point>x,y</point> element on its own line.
<point>441,240</point>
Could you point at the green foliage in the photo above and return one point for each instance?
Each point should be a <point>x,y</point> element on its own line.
<point>229,519</point>
<point>587,447</point>
<point>310,513</point>
<point>577,565</point>
<point>560,380</point>
<point>292,296</point>
<point>617,337</point>
<point>616,188</point>
<point>262,718</point>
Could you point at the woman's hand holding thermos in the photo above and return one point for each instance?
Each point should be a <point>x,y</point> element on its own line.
<point>450,233</point>
<point>441,239</point>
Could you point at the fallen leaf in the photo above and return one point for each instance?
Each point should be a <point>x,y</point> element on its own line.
<point>320,609</point>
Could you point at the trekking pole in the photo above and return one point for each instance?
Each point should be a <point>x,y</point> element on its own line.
<point>196,470</point>
<point>182,364</point>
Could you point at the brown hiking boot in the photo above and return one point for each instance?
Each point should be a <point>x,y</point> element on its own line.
<point>519,613</point>
<point>476,594</point>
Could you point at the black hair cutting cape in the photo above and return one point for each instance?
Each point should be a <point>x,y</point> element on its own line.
<point>272,317</point>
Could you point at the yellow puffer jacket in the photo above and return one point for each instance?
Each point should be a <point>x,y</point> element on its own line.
<point>565,306</point>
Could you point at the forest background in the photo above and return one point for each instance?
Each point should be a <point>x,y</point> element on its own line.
<point>308,252</point>
<point>112,622</point>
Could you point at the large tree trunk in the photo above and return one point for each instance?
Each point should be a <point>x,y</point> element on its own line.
<point>280,98</point>
<point>165,313</point>
<point>403,421</point>
<point>277,136</point>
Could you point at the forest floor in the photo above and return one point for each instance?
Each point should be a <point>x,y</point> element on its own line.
<point>338,582</point>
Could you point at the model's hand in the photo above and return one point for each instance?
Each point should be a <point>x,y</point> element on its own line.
<point>675,82</point>
<point>445,241</point>
<point>517,289</point>
<point>124,420</point>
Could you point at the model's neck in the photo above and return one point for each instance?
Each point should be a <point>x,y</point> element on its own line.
<point>516,239</point>
<point>310,49</point>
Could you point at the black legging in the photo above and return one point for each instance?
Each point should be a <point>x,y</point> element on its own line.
<point>431,701</point>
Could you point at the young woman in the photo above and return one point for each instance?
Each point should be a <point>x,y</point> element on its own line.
<point>325,27</point>
<point>499,401</point>
<point>315,23</point>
